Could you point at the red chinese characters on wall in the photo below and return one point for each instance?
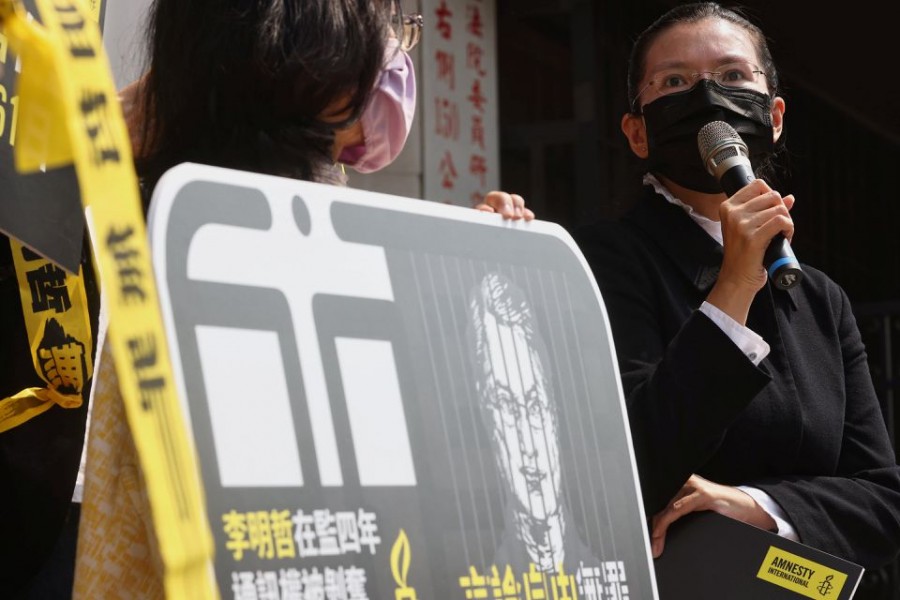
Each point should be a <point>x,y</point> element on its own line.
<point>442,21</point>
<point>478,166</point>
<point>445,62</point>
<point>460,146</point>
<point>446,122</point>
<point>448,171</point>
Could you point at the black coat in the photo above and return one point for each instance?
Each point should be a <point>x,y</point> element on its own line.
<point>804,426</point>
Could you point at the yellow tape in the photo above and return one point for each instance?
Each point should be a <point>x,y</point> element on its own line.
<point>55,309</point>
<point>95,7</point>
<point>801,575</point>
<point>65,81</point>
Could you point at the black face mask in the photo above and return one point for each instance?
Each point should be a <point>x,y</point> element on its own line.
<point>673,122</point>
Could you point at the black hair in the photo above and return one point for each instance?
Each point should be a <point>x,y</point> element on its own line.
<point>246,83</point>
<point>692,13</point>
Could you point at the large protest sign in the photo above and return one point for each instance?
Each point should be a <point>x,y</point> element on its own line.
<point>394,398</point>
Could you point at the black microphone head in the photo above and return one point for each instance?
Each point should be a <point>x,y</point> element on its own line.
<point>721,147</point>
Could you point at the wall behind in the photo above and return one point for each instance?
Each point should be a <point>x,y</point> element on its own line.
<point>123,38</point>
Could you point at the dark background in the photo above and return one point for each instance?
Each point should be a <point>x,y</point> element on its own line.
<point>562,70</point>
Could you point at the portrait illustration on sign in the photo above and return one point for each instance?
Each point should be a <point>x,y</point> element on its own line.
<point>521,418</point>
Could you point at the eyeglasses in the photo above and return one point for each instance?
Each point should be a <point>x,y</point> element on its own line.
<point>407,27</point>
<point>672,81</point>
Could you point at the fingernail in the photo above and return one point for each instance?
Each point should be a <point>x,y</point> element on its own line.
<point>655,549</point>
<point>508,208</point>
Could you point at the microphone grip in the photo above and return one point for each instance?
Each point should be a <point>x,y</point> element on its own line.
<point>781,265</point>
<point>735,178</point>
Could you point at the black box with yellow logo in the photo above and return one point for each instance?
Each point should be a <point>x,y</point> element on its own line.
<point>708,556</point>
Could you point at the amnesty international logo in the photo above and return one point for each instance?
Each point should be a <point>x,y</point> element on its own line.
<point>801,575</point>
<point>401,556</point>
<point>826,587</point>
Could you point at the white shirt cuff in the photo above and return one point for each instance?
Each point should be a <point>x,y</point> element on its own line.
<point>765,501</point>
<point>752,345</point>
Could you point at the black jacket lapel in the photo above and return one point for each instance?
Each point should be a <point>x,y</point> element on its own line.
<point>696,255</point>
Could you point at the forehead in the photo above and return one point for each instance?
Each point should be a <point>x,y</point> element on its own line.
<point>702,44</point>
<point>512,358</point>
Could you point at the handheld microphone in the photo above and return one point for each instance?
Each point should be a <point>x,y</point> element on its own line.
<point>726,157</point>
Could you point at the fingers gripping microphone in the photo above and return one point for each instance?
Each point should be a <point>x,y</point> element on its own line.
<point>726,157</point>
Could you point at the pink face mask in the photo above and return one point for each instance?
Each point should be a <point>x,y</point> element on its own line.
<point>387,118</point>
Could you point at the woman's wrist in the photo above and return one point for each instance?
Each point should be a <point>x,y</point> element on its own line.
<point>760,518</point>
<point>733,299</point>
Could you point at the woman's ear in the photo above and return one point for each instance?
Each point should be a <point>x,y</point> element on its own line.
<point>636,132</point>
<point>777,117</point>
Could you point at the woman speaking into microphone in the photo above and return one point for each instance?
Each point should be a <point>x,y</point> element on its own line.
<point>746,399</point>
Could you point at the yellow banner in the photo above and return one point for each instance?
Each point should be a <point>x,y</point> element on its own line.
<point>801,575</point>
<point>55,309</point>
<point>69,112</point>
